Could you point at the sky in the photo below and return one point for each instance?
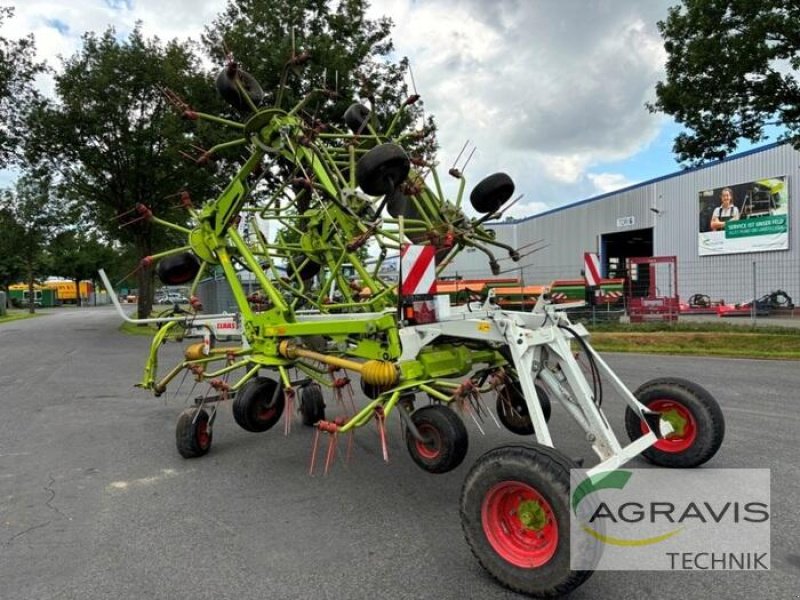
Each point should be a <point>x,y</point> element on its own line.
<point>551,92</point>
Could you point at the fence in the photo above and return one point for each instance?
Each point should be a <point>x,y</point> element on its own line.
<point>730,281</point>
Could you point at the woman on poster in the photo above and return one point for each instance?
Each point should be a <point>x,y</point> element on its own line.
<point>725,212</point>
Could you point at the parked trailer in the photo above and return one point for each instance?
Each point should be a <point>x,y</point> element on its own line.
<point>19,294</point>
<point>67,291</point>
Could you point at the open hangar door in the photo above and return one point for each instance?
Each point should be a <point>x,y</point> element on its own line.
<point>616,248</point>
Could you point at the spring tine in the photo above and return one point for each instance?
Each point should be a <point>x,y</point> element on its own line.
<point>485,409</point>
<point>380,419</point>
<point>468,408</point>
<point>314,448</point>
<point>288,411</point>
<point>469,158</point>
<point>131,222</point>
<point>178,389</point>
<point>464,147</point>
<point>331,455</point>
<point>120,215</point>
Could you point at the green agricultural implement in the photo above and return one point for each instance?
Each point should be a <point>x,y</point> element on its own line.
<point>329,194</point>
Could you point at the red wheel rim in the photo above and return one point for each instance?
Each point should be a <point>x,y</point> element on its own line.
<point>519,524</point>
<point>682,421</point>
<point>203,435</point>
<point>431,449</point>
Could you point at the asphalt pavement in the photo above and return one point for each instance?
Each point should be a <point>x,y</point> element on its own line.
<point>96,503</point>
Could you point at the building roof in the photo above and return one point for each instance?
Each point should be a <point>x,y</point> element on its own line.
<point>642,184</point>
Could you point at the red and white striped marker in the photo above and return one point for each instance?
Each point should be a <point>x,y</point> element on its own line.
<point>591,269</point>
<point>418,268</point>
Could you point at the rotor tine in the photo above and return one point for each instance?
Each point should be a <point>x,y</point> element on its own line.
<point>464,147</point>
<point>185,373</point>
<point>331,454</point>
<point>469,158</point>
<point>380,419</point>
<point>485,408</point>
<point>120,215</point>
<point>314,448</point>
<point>468,408</point>
<point>131,222</point>
<point>288,411</point>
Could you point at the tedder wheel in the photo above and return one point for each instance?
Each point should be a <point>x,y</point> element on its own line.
<point>228,86</point>
<point>356,118</point>
<point>446,440</point>
<point>305,269</point>
<point>259,404</point>
<point>515,516</point>
<point>491,193</point>
<point>312,405</point>
<point>694,414</point>
<point>512,410</point>
<point>193,436</point>
<point>178,269</point>
<point>382,169</point>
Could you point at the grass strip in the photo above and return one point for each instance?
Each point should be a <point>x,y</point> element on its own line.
<point>738,344</point>
<point>17,316</point>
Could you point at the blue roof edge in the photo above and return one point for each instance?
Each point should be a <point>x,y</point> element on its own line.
<point>643,183</point>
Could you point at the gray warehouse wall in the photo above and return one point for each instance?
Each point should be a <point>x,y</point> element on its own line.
<point>669,207</point>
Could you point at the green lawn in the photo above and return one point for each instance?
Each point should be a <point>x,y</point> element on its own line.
<point>701,339</point>
<point>133,329</point>
<point>16,315</point>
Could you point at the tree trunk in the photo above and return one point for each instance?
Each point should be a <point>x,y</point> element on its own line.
<point>144,279</point>
<point>78,292</point>
<point>31,291</point>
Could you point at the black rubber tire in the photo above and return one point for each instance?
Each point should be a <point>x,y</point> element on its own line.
<point>382,169</point>
<point>702,406</point>
<point>193,437</point>
<point>230,92</point>
<point>258,406</point>
<point>397,203</point>
<point>179,269</point>
<point>448,437</point>
<point>512,410</point>
<point>356,118</point>
<point>492,192</point>
<point>312,404</point>
<point>545,470</point>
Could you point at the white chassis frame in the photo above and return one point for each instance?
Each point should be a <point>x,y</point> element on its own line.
<point>540,349</point>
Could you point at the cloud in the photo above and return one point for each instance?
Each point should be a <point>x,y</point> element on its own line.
<point>609,182</point>
<point>548,92</point>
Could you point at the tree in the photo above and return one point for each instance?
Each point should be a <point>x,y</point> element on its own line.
<point>731,72</point>
<point>115,142</point>
<point>12,268</point>
<point>18,69</point>
<point>295,46</point>
<point>79,256</point>
<point>34,217</point>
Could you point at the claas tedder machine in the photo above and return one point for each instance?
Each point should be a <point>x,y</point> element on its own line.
<point>329,194</point>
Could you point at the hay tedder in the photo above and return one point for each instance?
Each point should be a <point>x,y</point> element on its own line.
<point>308,203</point>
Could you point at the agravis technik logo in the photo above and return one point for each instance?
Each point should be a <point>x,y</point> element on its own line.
<point>656,519</point>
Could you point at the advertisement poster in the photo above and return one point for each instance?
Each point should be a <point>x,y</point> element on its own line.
<point>747,217</point>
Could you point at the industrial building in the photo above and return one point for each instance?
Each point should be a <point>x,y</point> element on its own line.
<point>750,251</point>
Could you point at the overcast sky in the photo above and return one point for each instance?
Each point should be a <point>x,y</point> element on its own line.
<point>550,91</point>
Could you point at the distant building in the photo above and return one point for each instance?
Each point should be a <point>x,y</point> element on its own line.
<point>753,253</point>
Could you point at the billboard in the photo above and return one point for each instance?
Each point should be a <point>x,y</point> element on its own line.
<point>747,217</point>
